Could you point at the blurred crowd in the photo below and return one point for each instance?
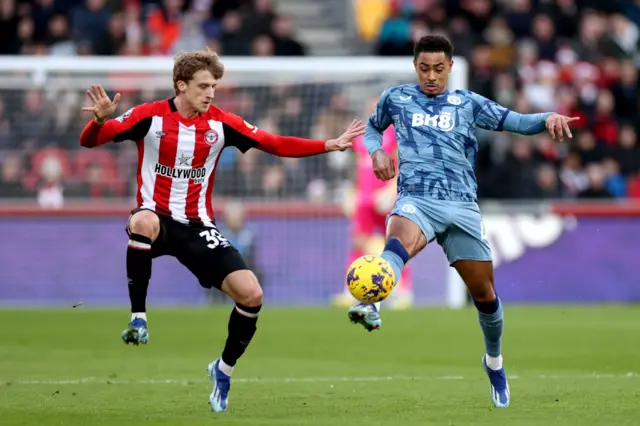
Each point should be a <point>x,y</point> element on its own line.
<point>144,27</point>
<point>576,57</point>
<point>39,133</point>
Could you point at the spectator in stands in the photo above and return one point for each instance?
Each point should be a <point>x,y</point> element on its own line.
<point>9,42</point>
<point>547,185</point>
<point>26,36</point>
<point>50,191</point>
<point>233,40</point>
<point>285,43</point>
<point>596,186</point>
<point>627,153</point>
<point>515,178</point>
<point>165,25</point>
<point>566,15</point>
<point>633,11</point>
<point>6,136</point>
<point>89,22</point>
<point>115,39</point>
<point>572,175</point>
<point>259,18</point>
<point>135,31</point>
<point>13,172</point>
<point>58,38</point>
<point>544,35</point>
<point>625,93</point>
<point>263,46</point>
<point>615,183</point>
<point>35,127</point>
<point>192,36</point>
<point>589,149</point>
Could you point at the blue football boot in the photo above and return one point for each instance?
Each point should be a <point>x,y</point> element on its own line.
<point>219,397</point>
<point>137,333</point>
<point>367,315</point>
<point>499,386</point>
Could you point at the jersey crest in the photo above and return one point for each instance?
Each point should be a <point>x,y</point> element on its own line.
<point>211,137</point>
<point>454,100</point>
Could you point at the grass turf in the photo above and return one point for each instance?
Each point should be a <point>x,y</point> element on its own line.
<point>569,366</point>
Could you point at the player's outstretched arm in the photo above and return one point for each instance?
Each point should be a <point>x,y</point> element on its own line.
<point>132,125</point>
<point>493,116</point>
<point>243,135</point>
<point>532,124</point>
<point>291,146</point>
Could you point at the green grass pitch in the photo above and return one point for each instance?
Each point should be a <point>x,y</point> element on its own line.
<point>569,366</point>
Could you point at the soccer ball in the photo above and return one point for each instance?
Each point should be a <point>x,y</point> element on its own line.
<point>370,279</point>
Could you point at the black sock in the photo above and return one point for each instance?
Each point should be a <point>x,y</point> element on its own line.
<point>138,271</point>
<point>488,307</point>
<point>242,327</point>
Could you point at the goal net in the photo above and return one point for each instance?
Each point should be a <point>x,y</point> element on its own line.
<point>296,232</point>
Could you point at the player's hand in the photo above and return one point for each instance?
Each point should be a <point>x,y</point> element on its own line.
<point>383,166</point>
<point>102,107</point>
<point>344,141</point>
<point>558,125</point>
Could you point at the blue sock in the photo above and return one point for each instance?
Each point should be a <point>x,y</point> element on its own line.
<point>396,255</point>
<point>491,317</point>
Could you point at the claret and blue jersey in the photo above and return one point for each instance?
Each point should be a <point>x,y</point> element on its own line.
<point>437,146</point>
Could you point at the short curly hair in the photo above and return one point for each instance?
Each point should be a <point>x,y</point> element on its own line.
<point>433,44</point>
<point>186,64</point>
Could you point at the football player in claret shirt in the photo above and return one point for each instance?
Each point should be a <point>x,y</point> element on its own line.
<point>179,142</point>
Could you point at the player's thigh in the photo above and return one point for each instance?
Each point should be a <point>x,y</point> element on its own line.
<point>467,249</point>
<point>208,255</point>
<point>412,224</point>
<point>465,238</point>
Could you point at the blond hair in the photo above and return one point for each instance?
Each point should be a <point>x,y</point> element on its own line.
<point>186,64</point>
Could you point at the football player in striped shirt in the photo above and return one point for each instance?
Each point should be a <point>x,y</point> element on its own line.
<point>179,143</point>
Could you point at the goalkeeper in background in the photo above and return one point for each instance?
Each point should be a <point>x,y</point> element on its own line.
<point>368,209</point>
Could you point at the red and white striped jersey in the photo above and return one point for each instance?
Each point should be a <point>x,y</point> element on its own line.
<point>177,156</point>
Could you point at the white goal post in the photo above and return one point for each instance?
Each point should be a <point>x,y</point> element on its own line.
<point>19,70</point>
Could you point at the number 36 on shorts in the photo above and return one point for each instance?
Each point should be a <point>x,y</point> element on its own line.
<point>214,238</point>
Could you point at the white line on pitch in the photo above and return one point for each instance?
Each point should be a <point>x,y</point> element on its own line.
<point>94,380</point>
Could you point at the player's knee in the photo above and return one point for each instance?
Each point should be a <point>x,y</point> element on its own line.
<point>243,287</point>
<point>411,242</point>
<point>407,233</point>
<point>252,296</point>
<point>482,291</point>
<point>145,223</point>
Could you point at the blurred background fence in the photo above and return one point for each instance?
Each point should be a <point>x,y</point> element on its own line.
<point>563,219</point>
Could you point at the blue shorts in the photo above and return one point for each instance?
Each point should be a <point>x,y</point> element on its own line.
<point>456,225</point>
